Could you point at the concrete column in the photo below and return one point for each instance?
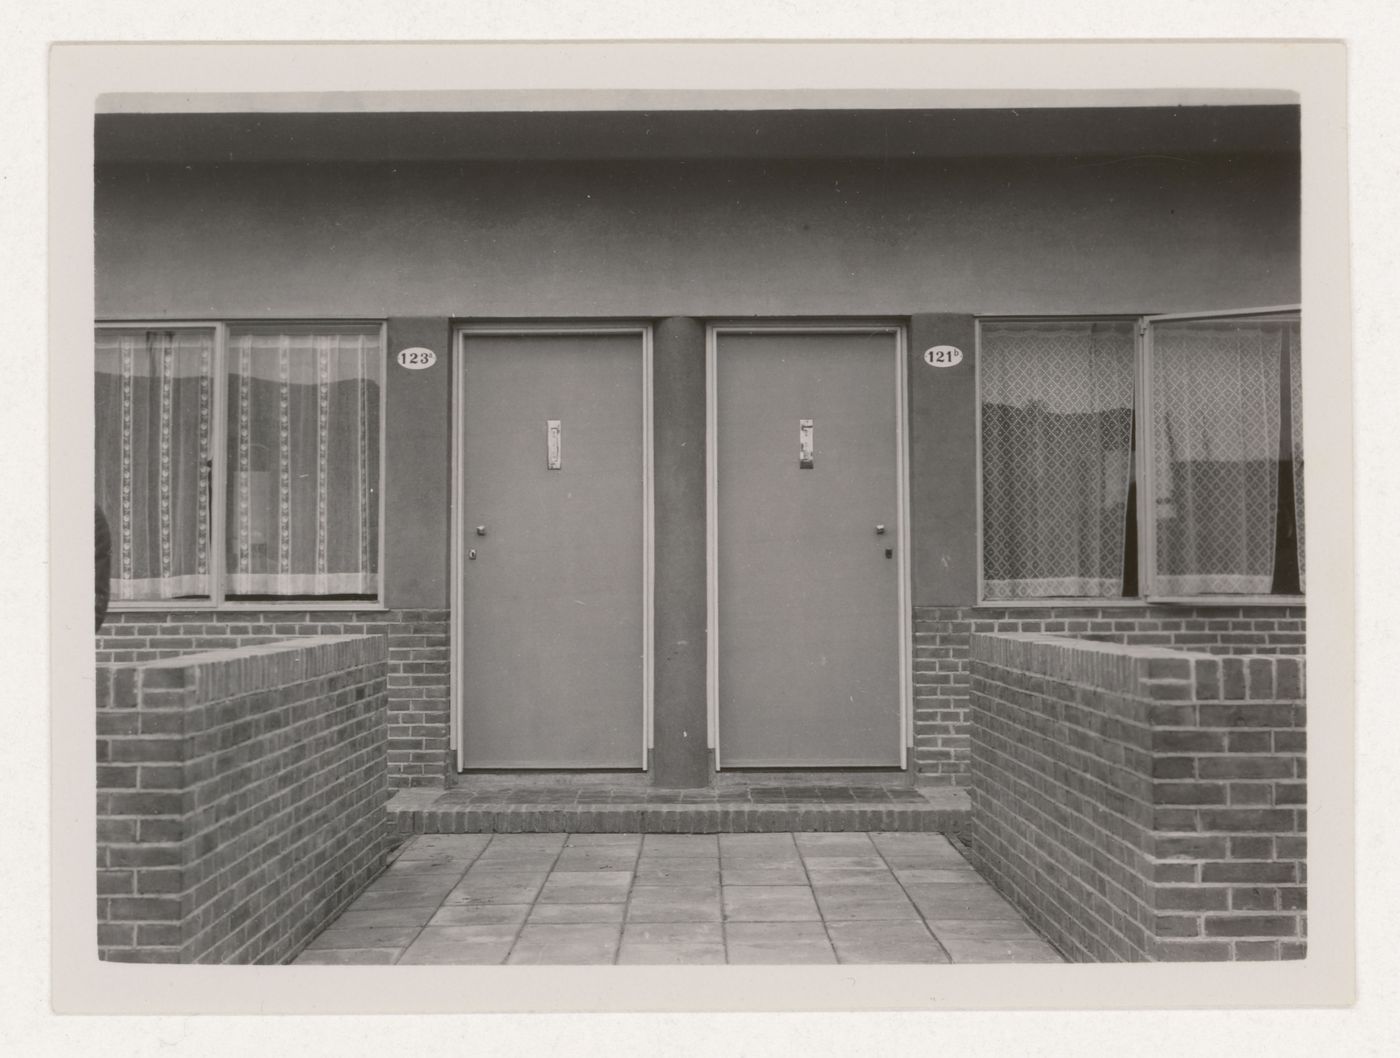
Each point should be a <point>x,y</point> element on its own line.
<point>943,462</point>
<point>680,757</point>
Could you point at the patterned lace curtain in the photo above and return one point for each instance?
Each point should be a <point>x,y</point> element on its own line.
<point>1215,422</point>
<point>1295,394</point>
<point>153,420</point>
<point>1057,423</point>
<point>303,461</point>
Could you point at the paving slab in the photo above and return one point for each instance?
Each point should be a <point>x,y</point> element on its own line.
<point>348,956</point>
<point>448,945</point>
<point>884,942</point>
<point>780,874</point>
<point>575,841</point>
<point>365,937</point>
<point>677,871</point>
<point>388,916</point>
<point>597,858</point>
<point>586,887</point>
<point>672,845</point>
<point>777,942</point>
<point>576,913</point>
<point>566,944</point>
<point>499,888</point>
<point>395,898</point>
<point>962,950</point>
<point>840,844</point>
<point>871,902</point>
<point>480,915</point>
<point>952,901</point>
<point>674,903</point>
<point>675,943</point>
<point>769,903</point>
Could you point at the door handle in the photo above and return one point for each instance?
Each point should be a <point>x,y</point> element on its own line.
<point>879,530</point>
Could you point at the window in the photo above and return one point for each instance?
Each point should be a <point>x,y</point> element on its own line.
<point>240,462</point>
<point>1200,415</point>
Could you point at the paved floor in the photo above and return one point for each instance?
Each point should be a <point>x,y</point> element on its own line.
<point>681,899</point>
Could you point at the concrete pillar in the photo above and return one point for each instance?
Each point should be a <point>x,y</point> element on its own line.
<point>943,462</point>
<point>680,757</point>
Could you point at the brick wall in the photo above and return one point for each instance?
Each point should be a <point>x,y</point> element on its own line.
<point>941,661</point>
<point>241,798</point>
<point>1140,803</point>
<point>418,665</point>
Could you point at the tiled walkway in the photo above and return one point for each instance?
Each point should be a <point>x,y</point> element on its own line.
<point>681,899</point>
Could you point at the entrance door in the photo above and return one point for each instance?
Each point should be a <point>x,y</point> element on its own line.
<point>551,559</point>
<point>807,548</point>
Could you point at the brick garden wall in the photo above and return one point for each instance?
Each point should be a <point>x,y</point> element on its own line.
<point>1139,803</point>
<point>418,665</point>
<point>941,669</point>
<point>241,798</point>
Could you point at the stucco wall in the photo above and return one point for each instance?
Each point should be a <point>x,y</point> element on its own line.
<point>671,238</point>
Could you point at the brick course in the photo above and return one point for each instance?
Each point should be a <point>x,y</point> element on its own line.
<point>418,653</point>
<point>241,798</point>
<point>942,674</point>
<point>1140,803</point>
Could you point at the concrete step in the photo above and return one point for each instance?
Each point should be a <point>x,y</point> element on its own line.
<point>652,810</point>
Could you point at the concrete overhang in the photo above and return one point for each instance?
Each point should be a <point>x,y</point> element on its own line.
<point>128,132</point>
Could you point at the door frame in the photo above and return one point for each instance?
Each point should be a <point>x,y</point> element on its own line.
<point>713,331</point>
<point>460,334</point>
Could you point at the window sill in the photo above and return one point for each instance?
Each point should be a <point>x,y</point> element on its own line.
<point>288,606</point>
<point>1242,601</point>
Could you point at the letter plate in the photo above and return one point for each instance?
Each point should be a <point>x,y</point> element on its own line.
<point>553,444</point>
<point>804,444</point>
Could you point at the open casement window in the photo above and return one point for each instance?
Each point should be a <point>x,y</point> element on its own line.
<point>1222,439</point>
<point>1157,457</point>
<point>240,463</point>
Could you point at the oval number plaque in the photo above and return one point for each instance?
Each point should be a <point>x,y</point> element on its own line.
<point>943,356</point>
<point>417,358</point>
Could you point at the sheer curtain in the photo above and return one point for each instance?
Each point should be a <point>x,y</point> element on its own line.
<point>303,461</point>
<point>1057,423</point>
<point>153,420</point>
<point>1215,423</point>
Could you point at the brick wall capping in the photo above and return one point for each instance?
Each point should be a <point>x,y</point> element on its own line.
<point>256,666</point>
<point>1142,670</point>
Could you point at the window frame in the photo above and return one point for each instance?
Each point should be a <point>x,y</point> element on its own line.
<point>1142,467</point>
<point>218,597</point>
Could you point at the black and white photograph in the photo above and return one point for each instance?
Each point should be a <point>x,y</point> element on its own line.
<point>678,529</point>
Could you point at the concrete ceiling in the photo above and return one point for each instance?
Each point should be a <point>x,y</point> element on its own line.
<point>1129,131</point>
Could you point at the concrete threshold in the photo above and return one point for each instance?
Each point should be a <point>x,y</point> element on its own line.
<point>573,808</point>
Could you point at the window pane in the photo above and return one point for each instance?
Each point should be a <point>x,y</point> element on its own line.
<point>303,461</point>
<point>1217,401</point>
<point>1057,429</point>
<point>153,416</point>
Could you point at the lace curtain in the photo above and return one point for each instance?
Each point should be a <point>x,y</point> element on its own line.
<point>1057,423</point>
<point>153,422</point>
<point>1295,407</point>
<point>1215,422</point>
<point>303,461</point>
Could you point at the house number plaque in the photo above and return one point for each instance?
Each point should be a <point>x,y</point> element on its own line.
<point>943,356</point>
<point>417,358</point>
